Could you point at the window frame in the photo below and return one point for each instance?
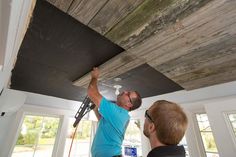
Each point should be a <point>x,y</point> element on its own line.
<point>40,115</point>
<point>199,136</point>
<point>229,125</point>
<point>26,109</point>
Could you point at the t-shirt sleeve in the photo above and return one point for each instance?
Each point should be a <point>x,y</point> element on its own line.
<point>108,109</point>
<point>111,112</point>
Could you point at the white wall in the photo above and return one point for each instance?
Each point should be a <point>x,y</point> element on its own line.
<point>50,101</point>
<point>4,12</point>
<point>4,23</point>
<point>5,122</point>
<point>10,102</point>
<point>15,16</point>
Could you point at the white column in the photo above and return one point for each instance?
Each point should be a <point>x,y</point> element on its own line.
<point>59,147</point>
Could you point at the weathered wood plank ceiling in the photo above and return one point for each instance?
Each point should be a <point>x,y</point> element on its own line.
<point>192,42</point>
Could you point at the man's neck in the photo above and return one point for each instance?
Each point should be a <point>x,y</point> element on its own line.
<point>154,142</point>
<point>123,106</point>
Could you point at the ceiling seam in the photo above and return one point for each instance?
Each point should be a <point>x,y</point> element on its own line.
<point>67,11</point>
<point>98,12</point>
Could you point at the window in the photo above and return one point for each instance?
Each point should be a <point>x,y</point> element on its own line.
<point>132,139</point>
<point>207,135</point>
<point>232,119</point>
<point>184,143</point>
<point>37,137</point>
<point>81,143</point>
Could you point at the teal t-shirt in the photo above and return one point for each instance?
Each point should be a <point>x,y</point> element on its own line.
<point>111,129</point>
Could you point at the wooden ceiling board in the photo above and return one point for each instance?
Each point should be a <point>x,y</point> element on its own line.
<point>149,18</point>
<point>206,71</point>
<point>209,25</point>
<point>209,32</point>
<point>207,56</point>
<point>119,64</point>
<point>223,77</point>
<point>85,10</point>
<point>211,43</point>
<point>112,13</point>
<point>61,4</point>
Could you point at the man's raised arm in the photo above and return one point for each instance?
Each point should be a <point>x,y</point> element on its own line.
<point>93,92</point>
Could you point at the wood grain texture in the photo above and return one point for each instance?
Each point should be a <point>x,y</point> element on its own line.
<point>112,13</point>
<point>85,10</point>
<point>211,46</point>
<point>61,4</point>
<point>203,64</point>
<point>149,18</point>
<point>210,28</point>
<point>112,68</point>
<point>209,55</point>
<point>195,51</point>
<point>221,75</point>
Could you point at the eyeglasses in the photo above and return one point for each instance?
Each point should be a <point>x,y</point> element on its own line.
<point>128,94</point>
<point>148,116</point>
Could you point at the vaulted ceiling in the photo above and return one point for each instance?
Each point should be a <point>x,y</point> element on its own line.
<point>189,42</point>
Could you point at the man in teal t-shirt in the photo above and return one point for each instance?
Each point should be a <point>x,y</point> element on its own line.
<point>113,118</point>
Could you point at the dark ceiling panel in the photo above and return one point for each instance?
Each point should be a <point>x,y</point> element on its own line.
<point>56,50</point>
<point>144,79</point>
<point>39,78</point>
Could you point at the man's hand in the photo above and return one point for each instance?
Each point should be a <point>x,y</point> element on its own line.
<point>95,73</point>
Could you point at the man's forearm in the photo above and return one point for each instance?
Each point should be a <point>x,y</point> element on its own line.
<point>93,92</point>
<point>97,113</point>
<point>93,85</point>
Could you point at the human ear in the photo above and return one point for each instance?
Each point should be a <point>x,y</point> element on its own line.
<point>152,128</point>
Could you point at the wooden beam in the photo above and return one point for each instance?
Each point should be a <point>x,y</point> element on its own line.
<point>85,10</point>
<point>112,13</point>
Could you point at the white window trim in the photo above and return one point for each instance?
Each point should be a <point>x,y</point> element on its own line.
<point>198,136</point>
<point>202,144</point>
<point>229,125</point>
